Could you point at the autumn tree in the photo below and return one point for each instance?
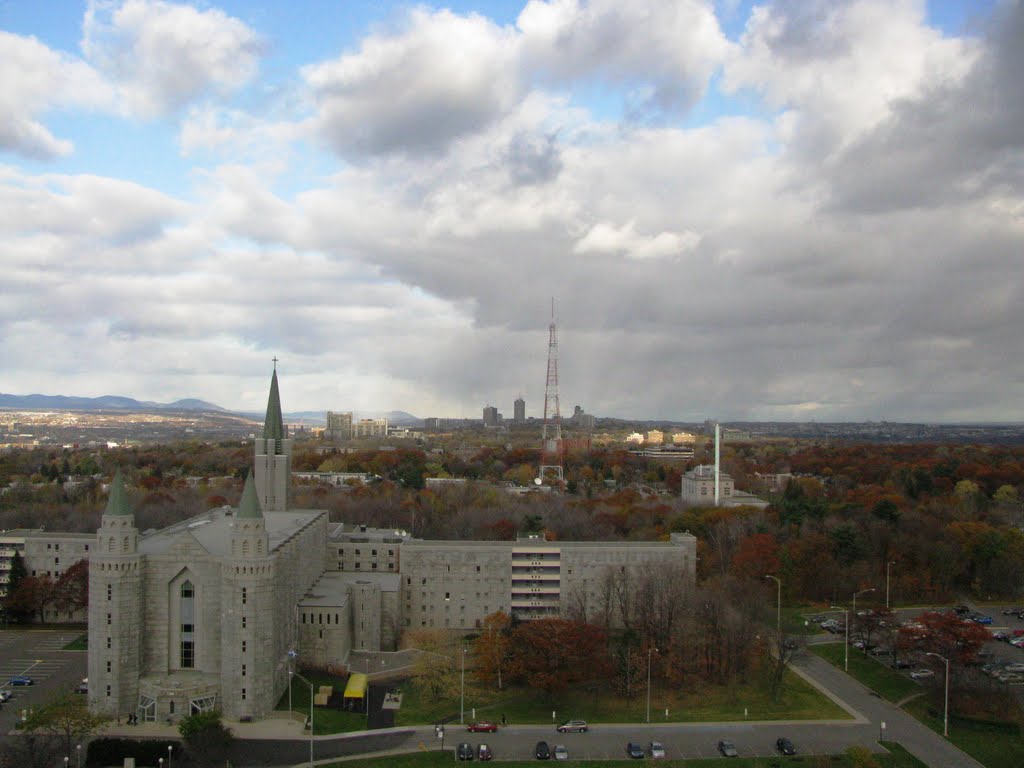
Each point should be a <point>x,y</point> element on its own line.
<point>551,654</point>
<point>438,667</point>
<point>71,590</point>
<point>491,648</point>
<point>65,720</point>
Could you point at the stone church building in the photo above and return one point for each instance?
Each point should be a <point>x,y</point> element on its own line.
<point>203,614</point>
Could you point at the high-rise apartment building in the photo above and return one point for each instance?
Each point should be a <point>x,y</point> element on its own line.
<point>490,416</point>
<point>519,410</point>
<point>339,426</point>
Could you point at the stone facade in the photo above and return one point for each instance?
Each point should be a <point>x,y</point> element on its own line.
<point>207,612</point>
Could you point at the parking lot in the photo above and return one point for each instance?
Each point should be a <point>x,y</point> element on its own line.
<point>995,658</point>
<point>37,654</point>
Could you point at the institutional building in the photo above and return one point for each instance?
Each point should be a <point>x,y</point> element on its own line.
<point>204,613</point>
<point>44,553</point>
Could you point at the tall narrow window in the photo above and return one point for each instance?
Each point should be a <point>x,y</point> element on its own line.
<point>243,622</point>
<point>110,592</point>
<point>245,595</point>
<point>188,637</point>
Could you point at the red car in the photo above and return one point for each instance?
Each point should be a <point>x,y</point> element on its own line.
<point>485,726</point>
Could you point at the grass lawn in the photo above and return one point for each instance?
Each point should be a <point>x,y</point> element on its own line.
<point>883,680</point>
<point>324,720</point>
<point>898,758</point>
<point>80,643</point>
<point>992,745</point>
<point>595,704</point>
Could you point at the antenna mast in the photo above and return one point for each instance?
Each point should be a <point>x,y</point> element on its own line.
<point>551,462</point>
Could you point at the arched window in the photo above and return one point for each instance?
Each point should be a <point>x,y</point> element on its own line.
<point>112,544</point>
<point>245,548</point>
<point>187,652</point>
<point>124,544</point>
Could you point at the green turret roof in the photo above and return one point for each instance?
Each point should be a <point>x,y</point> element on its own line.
<point>249,506</point>
<point>273,425</point>
<point>117,501</point>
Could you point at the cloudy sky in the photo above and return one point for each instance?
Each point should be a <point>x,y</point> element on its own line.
<point>802,209</point>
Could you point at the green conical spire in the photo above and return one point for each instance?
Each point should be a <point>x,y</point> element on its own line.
<point>273,425</point>
<point>117,500</point>
<point>249,506</point>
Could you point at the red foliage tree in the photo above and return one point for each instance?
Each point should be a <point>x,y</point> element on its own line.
<point>551,654</point>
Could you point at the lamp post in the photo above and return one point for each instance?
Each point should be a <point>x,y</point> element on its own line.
<point>649,652</point>
<point>846,628</point>
<point>296,674</point>
<point>462,694</point>
<point>161,761</point>
<point>855,594</point>
<point>778,604</point>
<point>78,751</point>
<point>945,709</point>
<point>887,566</point>
<point>66,761</point>
<point>367,703</point>
<point>170,748</point>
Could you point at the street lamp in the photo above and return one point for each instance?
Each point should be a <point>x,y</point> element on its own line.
<point>887,565</point>
<point>78,751</point>
<point>367,692</point>
<point>649,652</point>
<point>296,674</point>
<point>846,628</point>
<point>66,761</point>
<point>778,604</point>
<point>945,709</point>
<point>855,594</point>
<point>170,748</point>
<point>462,695</point>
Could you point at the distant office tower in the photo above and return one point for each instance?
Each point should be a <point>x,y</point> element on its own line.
<point>520,410</point>
<point>490,416</point>
<point>339,426</point>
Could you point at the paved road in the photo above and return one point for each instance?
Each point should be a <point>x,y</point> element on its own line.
<point>920,741</point>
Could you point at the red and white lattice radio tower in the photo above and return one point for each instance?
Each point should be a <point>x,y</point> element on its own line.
<point>551,438</point>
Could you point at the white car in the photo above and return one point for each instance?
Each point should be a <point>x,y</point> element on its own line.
<point>655,750</point>
<point>921,674</point>
<point>5,696</point>
<point>561,753</point>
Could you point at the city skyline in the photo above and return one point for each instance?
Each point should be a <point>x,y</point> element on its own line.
<point>786,211</point>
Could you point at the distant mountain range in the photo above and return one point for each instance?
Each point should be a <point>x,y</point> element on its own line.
<point>117,403</point>
<point>105,403</point>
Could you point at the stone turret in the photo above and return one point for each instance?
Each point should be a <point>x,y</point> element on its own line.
<point>273,466</point>
<point>115,608</point>
<point>247,608</point>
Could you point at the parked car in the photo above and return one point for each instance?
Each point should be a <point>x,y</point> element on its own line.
<point>482,726</point>
<point>4,696</point>
<point>961,610</point>
<point>561,753</point>
<point>483,752</point>
<point>634,751</point>
<point>21,680</point>
<point>573,726</point>
<point>655,750</point>
<point>785,746</point>
<point>981,619</point>
<point>1015,611</point>
<point>901,664</point>
<point>921,674</point>
<point>727,748</point>
<point>1001,636</point>
<point>542,751</point>
<point>83,687</point>
<point>464,751</point>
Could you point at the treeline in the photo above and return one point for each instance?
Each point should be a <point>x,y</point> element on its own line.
<point>940,520</point>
